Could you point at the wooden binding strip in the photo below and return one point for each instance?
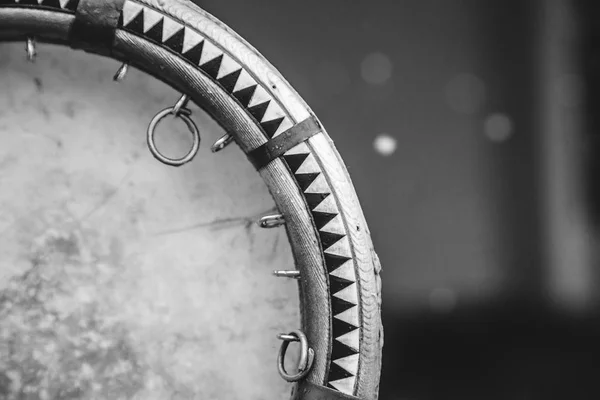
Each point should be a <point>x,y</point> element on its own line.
<point>281,144</point>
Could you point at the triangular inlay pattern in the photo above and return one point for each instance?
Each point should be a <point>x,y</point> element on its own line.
<point>241,84</point>
<point>212,60</point>
<point>337,254</point>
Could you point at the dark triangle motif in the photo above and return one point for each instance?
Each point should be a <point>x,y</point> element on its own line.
<point>258,111</point>
<point>338,306</point>
<point>156,32</point>
<point>333,261</point>
<point>304,180</point>
<point>213,66</point>
<point>340,350</point>
<point>228,81</point>
<point>72,5</point>
<point>294,161</point>
<point>137,24</point>
<point>52,3</point>
<point>336,373</point>
<point>195,53</point>
<point>340,328</point>
<point>314,199</point>
<point>270,127</point>
<point>29,2</point>
<point>329,239</point>
<point>175,42</point>
<point>336,284</point>
<point>322,219</point>
<point>245,95</point>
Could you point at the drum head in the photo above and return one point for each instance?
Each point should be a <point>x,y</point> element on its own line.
<point>121,277</point>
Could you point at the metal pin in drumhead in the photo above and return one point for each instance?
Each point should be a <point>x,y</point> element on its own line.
<point>287,274</point>
<point>30,49</point>
<point>223,142</point>
<point>271,221</point>
<point>121,72</point>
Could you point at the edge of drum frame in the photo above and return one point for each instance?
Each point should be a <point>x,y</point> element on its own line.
<point>308,249</point>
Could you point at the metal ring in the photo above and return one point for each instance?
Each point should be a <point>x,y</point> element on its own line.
<point>307,356</point>
<point>184,115</point>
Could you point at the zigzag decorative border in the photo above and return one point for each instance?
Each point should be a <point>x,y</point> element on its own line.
<point>212,60</point>
<point>63,5</point>
<point>337,253</point>
<point>257,100</point>
<point>259,103</point>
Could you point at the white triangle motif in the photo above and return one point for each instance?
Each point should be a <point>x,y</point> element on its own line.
<point>130,11</point>
<point>345,385</point>
<point>302,148</point>
<point>309,166</point>
<point>350,339</point>
<point>209,52</point>
<point>350,316</point>
<point>345,271</point>
<point>349,363</point>
<point>191,39</point>
<point>170,27</point>
<point>228,65</point>
<point>151,18</point>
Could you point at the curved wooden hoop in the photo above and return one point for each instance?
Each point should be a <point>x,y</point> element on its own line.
<point>182,45</point>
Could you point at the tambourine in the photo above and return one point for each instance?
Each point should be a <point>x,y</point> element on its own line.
<point>86,289</point>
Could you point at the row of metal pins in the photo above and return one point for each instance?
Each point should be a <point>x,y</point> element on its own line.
<point>266,222</point>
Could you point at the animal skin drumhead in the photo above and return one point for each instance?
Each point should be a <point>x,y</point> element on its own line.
<point>121,277</point>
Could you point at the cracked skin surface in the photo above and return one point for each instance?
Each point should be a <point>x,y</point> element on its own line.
<point>121,278</point>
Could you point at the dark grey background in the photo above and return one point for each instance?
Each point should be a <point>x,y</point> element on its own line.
<point>484,215</point>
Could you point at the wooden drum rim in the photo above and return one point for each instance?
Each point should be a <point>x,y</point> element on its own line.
<point>190,50</point>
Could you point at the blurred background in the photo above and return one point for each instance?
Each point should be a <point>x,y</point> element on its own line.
<point>468,127</point>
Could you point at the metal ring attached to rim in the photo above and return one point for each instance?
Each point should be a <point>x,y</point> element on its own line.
<point>184,115</point>
<point>305,362</point>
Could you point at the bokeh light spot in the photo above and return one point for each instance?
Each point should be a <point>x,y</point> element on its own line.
<point>376,68</point>
<point>498,127</point>
<point>385,144</point>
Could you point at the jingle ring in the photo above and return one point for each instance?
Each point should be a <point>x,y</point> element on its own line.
<point>184,115</point>
<point>305,362</point>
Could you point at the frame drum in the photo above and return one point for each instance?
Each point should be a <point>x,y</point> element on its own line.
<point>124,278</point>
